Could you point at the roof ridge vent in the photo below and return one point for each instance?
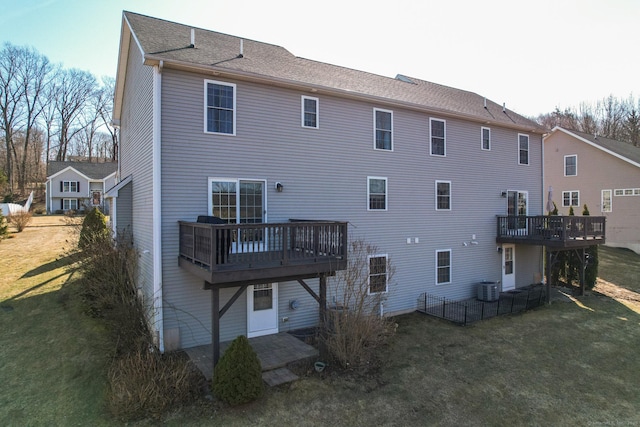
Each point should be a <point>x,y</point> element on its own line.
<point>405,79</point>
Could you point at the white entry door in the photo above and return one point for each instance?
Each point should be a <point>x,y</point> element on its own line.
<point>262,309</point>
<point>508,267</point>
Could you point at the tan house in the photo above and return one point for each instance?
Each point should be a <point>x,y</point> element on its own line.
<point>602,173</point>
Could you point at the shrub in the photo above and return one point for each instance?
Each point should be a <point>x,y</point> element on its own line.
<point>355,329</point>
<point>237,378</point>
<point>146,384</point>
<point>109,293</point>
<point>20,220</point>
<point>141,381</point>
<point>94,229</point>
<point>4,228</point>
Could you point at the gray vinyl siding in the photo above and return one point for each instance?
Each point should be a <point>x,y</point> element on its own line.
<point>124,214</point>
<point>70,175</point>
<point>324,172</point>
<point>136,160</point>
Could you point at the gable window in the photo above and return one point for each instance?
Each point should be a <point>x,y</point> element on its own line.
<point>443,195</point>
<point>69,204</point>
<point>570,198</point>
<point>383,127</point>
<point>443,267</point>
<point>571,165</point>
<point>220,107</point>
<point>438,137</point>
<point>486,138</point>
<point>377,273</point>
<point>523,149</point>
<point>606,205</point>
<point>377,194</point>
<point>310,107</point>
<point>69,186</point>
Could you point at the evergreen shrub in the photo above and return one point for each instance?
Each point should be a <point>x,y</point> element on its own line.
<point>94,229</point>
<point>237,378</point>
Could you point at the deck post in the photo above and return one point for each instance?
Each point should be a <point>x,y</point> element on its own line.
<point>548,274</point>
<point>583,266</point>
<point>323,300</point>
<point>215,323</point>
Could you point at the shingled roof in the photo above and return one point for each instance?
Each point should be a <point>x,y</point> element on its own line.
<point>170,42</point>
<point>90,170</point>
<point>620,149</point>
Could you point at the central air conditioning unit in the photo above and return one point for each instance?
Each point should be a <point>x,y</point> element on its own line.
<point>488,291</point>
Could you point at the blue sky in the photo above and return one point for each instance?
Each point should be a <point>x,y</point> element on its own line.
<point>532,55</point>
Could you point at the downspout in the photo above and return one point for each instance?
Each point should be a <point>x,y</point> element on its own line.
<point>157,206</point>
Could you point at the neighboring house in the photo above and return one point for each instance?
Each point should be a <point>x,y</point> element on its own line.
<point>602,173</point>
<point>78,186</point>
<point>217,125</point>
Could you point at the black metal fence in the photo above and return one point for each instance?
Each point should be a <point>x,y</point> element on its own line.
<point>472,310</point>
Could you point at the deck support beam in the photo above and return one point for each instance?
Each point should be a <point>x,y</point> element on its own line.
<point>216,314</point>
<point>215,324</point>
<point>323,300</point>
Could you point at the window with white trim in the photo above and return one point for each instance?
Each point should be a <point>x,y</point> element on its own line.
<point>570,198</point>
<point>627,192</point>
<point>443,195</point>
<point>70,204</point>
<point>220,107</point>
<point>443,267</point>
<point>571,165</point>
<point>523,149</point>
<point>310,108</point>
<point>606,202</point>
<point>378,273</point>
<point>70,186</point>
<point>377,193</point>
<point>485,135</point>
<point>383,129</point>
<point>438,137</point>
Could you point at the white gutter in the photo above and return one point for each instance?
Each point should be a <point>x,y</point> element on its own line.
<point>157,206</point>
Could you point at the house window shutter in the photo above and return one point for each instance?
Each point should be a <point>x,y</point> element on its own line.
<point>61,203</point>
<point>61,190</point>
<point>78,185</point>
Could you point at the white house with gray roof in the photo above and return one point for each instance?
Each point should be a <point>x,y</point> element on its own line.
<point>78,186</point>
<point>215,125</point>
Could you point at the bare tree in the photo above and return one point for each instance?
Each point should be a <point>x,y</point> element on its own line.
<point>10,102</point>
<point>106,109</point>
<point>74,89</point>
<point>612,116</point>
<point>631,124</point>
<point>34,72</point>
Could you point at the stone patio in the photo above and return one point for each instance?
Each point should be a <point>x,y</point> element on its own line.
<point>274,351</point>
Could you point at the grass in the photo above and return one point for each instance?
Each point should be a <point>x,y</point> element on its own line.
<point>571,363</point>
<point>51,362</point>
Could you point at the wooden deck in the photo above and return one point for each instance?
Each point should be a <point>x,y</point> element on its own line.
<point>236,254</point>
<point>557,232</point>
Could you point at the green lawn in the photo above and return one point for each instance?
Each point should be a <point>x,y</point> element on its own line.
<point>573,363</point>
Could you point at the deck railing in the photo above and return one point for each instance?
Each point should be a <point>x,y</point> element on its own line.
<point>216,247</point>
<point>560,229</point>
